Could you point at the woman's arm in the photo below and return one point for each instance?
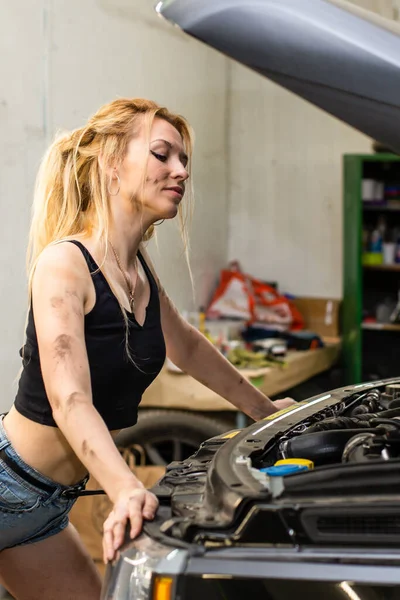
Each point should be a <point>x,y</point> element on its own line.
<point>60,292</point>
<point>194,354</point>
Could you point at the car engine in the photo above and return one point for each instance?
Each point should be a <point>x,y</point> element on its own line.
<point>324,472</point>
<point>362,429</point>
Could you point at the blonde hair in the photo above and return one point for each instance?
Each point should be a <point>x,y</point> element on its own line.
<point>71,197</point>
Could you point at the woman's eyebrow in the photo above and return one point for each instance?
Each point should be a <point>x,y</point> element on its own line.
<point>182,154</point>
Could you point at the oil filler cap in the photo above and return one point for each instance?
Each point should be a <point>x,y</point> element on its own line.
<point>295,461</point>
<point>282,470</point>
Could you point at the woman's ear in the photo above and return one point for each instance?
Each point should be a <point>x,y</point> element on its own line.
<point>109,170</point>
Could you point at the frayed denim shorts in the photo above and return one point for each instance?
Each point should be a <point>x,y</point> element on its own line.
<point>32,506</point>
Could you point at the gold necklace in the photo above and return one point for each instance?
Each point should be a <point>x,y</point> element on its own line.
<point>128,281</point>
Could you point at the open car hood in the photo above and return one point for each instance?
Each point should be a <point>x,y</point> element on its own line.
<point>343,59</point>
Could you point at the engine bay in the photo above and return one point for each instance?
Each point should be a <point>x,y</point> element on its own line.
<point>325,472</point>
<point>364,427</point>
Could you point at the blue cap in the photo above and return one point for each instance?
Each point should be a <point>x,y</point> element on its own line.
<point>282,470</point>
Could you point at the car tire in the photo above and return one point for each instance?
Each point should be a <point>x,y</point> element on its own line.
<point>169,435</point>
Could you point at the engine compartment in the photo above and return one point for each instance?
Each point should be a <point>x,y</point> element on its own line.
<point>364,427</point>
<point>225,494</point>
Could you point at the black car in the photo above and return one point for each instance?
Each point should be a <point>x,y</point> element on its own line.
<point>306,503</point>
<point>323,523</point>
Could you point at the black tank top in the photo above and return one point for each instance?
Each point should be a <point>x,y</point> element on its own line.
<point>117,382</point>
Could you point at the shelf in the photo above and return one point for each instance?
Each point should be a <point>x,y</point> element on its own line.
<point>382,267</point>
<point>367,285</point>
<point>376,208</point>
<point>376,157</point>
<point>380,327</point>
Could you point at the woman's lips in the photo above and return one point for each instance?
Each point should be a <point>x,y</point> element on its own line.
<point>176,191</point>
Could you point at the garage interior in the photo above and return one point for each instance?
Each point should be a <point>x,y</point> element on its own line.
<point>281,191</point>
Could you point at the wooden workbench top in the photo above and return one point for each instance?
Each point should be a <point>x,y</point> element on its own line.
<point>180,391</point>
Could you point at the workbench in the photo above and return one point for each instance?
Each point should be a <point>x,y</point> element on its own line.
<point>181,392</point>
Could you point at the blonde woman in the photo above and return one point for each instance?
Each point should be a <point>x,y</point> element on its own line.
<point>98,331</point>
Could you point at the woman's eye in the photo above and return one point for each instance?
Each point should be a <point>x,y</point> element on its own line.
<point>160,157</point>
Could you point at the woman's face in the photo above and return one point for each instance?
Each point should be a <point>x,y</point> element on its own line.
<point>166,170</point>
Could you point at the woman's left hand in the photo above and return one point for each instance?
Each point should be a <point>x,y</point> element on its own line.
<point>284,403</point>
<point>263,409</point>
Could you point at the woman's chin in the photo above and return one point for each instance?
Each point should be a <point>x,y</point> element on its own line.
<point>169,214</point>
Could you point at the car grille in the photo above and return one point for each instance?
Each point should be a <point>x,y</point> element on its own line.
<point>352,525</point>
<point>366,524</point>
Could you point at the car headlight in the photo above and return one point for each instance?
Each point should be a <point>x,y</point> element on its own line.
<point>131,578</point>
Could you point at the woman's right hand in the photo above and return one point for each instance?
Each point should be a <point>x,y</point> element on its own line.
<point>134,503</point>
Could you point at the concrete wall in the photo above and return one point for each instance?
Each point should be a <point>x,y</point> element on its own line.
<point>65,59</point>
<point>286,182</point>
<point>21,144</point>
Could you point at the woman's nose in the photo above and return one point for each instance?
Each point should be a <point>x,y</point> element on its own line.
<point>178,168</point>
<point>180,172</point>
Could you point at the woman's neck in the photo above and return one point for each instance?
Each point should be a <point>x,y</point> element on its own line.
<point>127,228</point>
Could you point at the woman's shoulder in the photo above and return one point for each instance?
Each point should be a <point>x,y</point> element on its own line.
<point>65,257</point>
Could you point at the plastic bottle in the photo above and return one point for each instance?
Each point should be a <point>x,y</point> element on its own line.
<point>376,241</point>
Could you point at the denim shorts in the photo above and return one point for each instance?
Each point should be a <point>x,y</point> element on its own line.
<point>32,506</point>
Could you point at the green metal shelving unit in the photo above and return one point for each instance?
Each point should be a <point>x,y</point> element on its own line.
<point>353,165</point>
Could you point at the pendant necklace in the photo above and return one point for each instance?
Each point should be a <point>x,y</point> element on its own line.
<point>128,280</point>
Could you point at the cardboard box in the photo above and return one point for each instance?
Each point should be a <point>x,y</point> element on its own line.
<point>321,315</point>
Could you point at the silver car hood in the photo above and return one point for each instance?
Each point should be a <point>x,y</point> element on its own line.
<point>342,59</point>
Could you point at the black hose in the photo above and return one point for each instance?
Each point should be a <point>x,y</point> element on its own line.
<point>385,414</point>
<point>380,421</point>
<point>369,404</point>
<point>338,423</point>
<point>361,421</point>
<point>389,414</point>
<point>323,447</point>
<point>394,403</point>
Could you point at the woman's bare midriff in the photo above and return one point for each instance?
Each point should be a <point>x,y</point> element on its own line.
<point>44,448</point>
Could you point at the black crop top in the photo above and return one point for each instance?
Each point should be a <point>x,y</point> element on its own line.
<point>117,383</point>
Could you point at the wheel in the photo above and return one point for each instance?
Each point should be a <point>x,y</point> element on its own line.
<point>169,435</point>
